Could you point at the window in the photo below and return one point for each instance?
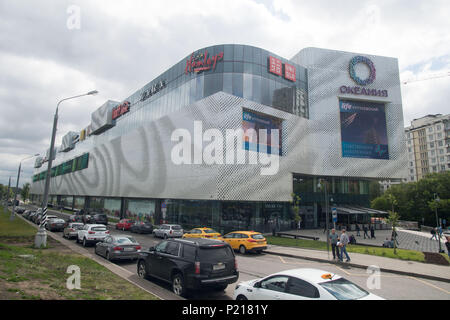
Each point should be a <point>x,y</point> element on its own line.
<point>441,151</point>
<point>431,144</point>
<point>439,135</point>
<point>161,247</point>
<point>430,129</point>
<point>302,288</point>
<point>440,143</point>
<point>172,248</point>
<point>188,251</point>
<point>343,289</point>
<point>277,283</point>
<point>438,127</point>
<point>430,137</point>
<point>230,236</point>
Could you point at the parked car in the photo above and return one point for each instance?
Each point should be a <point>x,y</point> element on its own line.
<point>168,231</point>
<point>74,218</point>
<point>246,241</point>
<point>190,264</point>
<point>86,218</point>
<point>99,218</point>
<point>91,233</point>
<point>39,218</point>
<point>71,230</point>
<point>31,215</point>
<point>55,224</point>
<point>27,213</point>
<point>142,227</point>
<point>301,284</point>
<point>19,210</point>
<point>202,233</point>
<point>124,224</point>
<point>116,247</point>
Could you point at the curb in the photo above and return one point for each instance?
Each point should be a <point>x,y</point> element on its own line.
<point>360,266</point>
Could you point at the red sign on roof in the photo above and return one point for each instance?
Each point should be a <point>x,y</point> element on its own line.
<point>275,66</point>
<point>289,72</point>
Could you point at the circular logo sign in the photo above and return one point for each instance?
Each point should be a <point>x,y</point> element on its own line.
<point>368,63</point>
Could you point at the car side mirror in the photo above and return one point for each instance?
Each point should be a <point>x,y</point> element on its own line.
<point>257,285</point>
<point>152,249</point>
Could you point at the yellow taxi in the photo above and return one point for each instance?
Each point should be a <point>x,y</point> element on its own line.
<point>246,241</point>
<point>202,233</point>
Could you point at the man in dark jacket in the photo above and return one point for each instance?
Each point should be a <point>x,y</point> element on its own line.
<point>365,232</point>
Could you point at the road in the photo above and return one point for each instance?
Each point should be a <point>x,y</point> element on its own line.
<point>251,266</point>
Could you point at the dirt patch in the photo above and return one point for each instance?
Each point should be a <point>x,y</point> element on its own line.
<point>435,258</point>
<point>27,290</point>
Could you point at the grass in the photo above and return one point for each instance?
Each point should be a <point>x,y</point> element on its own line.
<point>402,254</point>
<point>43,273</point>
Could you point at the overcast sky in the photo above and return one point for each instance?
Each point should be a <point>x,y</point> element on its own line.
<point>122,45</point>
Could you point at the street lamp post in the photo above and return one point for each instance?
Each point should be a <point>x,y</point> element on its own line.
<point>436,199</point>
<point>7,195</point>
<point>17,186</point>
<point>41,235</point>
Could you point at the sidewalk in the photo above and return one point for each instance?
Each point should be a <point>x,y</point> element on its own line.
<point>407,268</point>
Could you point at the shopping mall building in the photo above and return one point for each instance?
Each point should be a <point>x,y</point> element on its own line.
<point>226,136</point>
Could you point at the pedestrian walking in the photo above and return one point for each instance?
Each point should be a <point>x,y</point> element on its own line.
<point>333,238</point>
<point>447,244</point>
<point>433,232</point>
<point>299,225</point>
<point>394,238</point>
<point>357,230</point>
<point>440,232</point>
<point>344,240</point>
<point>372,232</point>
<point>365,232</point>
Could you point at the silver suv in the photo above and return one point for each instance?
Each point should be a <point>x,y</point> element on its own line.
<point>168,231</point>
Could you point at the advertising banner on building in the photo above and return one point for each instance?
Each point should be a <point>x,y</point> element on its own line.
<point>363,129</point>
<point>266,123</point>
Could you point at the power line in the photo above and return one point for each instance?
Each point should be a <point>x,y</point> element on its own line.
<point>432,76</point>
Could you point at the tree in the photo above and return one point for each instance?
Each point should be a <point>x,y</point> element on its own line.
<point>296,208</point>
<point>393,220</point>
<point>25,193</point>
<point>413,199</point>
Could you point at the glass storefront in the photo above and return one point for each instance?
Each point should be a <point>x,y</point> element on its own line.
<point>67,202</point>
<point>78,203</point>
<point>141,210</point>
<point>111,207</point>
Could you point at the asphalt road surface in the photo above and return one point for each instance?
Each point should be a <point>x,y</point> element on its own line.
<point>251,266</point>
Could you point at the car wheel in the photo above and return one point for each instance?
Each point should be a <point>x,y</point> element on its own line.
<point>241,297</point>
<point>141,271</point>
<point>78,240</point>
<point>178,285</point>
<point>108,256</point>
<point>165,236</point>
<point>84,242</point>
<point>242,249</point>
<point>258,251</point>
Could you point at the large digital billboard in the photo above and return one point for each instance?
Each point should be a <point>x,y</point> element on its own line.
<point>363,129</point>
<point>266,123</point>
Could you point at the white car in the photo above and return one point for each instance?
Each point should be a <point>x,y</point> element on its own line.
<point>92,233</point>
<point>301,284</point>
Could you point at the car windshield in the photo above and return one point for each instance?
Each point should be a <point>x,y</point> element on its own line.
<point>98,229</point>
<point>343,289</point>
<point>210,231</point>
<point>257,236</point>
<point>215,253</point>
<point>125,240</point>
<point>176,227</point>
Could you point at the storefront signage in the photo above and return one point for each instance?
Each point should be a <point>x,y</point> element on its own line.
<point>357,90</point>
<point>276,67</point>
<point>120,110</point>
<point>201,62</point>
<point>155,88</point>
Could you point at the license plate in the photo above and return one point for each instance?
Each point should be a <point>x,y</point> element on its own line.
<point>129,249</point>
<point>219,266</point>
